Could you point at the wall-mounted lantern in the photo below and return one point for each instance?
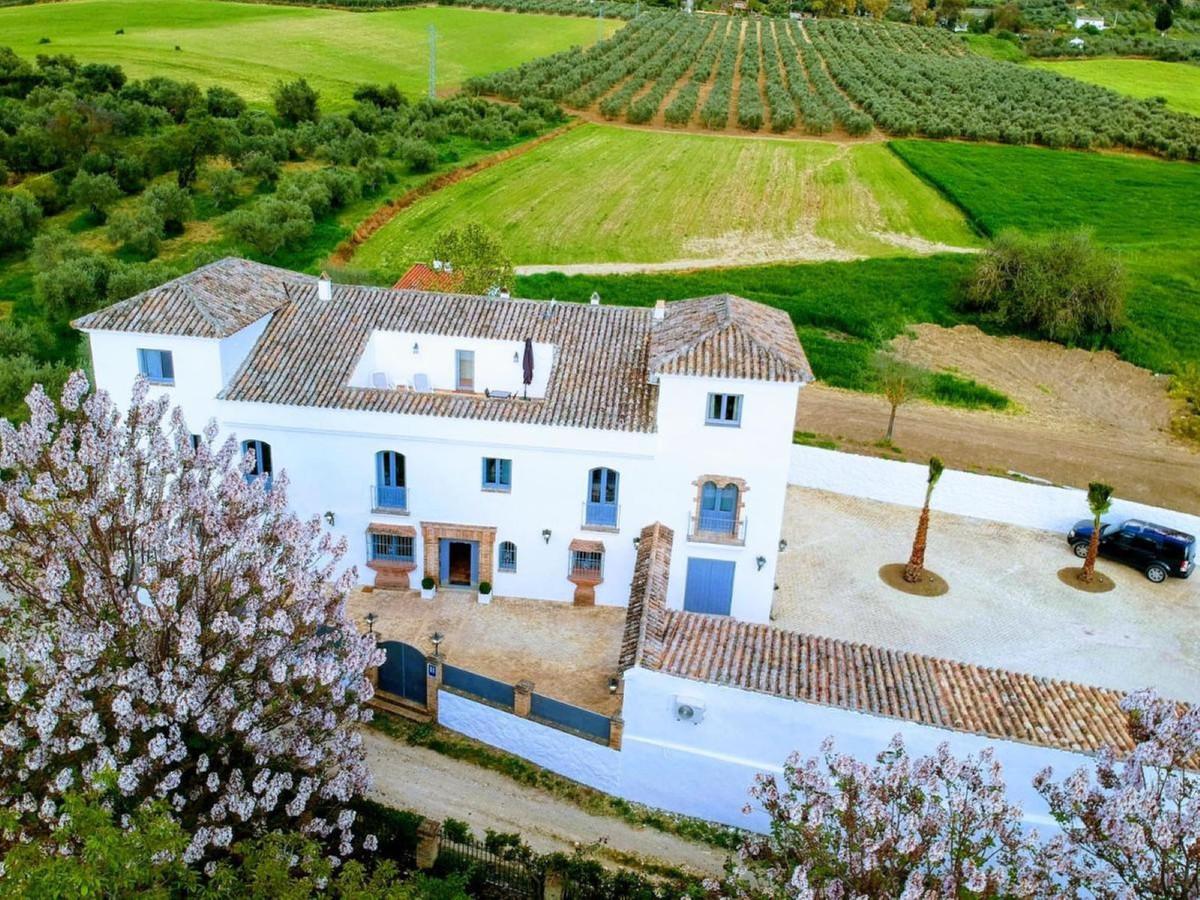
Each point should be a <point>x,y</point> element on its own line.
<point>330,518</point>
<point>546,535</point>
<point>371,620</point>
<point>416,348</point>
<point>760,562</point>
<point>782,544</point>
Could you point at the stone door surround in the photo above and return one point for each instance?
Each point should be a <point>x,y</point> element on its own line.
<point>432,534</point>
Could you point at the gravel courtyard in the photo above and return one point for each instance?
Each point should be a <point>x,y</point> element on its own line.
<point>1006,607</point>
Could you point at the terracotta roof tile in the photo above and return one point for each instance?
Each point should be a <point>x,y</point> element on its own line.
<point>645,618</point>
<point>421,277</point>
<point>579,545</point>
<point>728,337</point>
<point>878,681</point>
<point>213,301</point>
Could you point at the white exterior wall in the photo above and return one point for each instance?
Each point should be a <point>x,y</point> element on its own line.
<point>757,451</point>
<point>329,455</point>
<point>582,760</point>
<point>706,769</point>
<point>1046,507</point>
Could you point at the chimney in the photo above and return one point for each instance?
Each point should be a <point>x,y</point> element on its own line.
<point>437,265</point>
<point>504,294</point>
<point>324,287</point>
<point>660,310</point>
<point>595,299</point>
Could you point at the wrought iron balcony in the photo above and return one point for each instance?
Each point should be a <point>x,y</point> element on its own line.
<point>606,516</point>
<point>711,527</point>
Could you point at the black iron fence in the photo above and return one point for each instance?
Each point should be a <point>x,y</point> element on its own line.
<point>490,876</point>
<point>575,718</point>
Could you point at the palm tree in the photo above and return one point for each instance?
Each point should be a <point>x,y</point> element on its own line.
<point>916,563</point>
<point>1099,498</point>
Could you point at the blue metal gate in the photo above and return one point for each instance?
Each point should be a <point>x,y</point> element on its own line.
<point>403,672</point>
<point>709,587</point>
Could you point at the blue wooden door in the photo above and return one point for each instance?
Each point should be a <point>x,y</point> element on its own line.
<point>709,587</point>
<point>602,498</point>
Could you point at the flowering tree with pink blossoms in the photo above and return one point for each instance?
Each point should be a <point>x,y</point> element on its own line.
<point>933,826</point>
<point>1131,827</point>
<point>165,621</point>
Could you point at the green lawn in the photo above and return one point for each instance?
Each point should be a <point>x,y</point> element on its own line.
<point>843,311</point>
<point>1145,209</point>
<point>1179,82</point>
<point>248,47</point>
<point>607,194</point>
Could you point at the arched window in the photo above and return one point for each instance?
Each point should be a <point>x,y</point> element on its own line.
<point>508,556</point>
<point>601,506</point>
<point>718,508</point>
<point>391,489</point>
<point>261,451</point>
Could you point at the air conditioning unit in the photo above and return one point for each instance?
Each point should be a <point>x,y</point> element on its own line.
<point>689,709</point>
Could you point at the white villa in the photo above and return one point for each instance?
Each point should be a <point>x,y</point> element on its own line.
<point>470,439</point>
<point>1096,22</point>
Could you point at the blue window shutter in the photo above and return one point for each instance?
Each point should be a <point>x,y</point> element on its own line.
<point>143,363</point>
<point>166,365</point>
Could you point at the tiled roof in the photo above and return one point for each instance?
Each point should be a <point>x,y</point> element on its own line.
<point>213,301</point>
<point>645,616</point>
<point>877,681</point>
<point>421,277</point>
<point>308,352</point>
<point>605,356</point>
<point>580,545</point>
<point>728,337</point>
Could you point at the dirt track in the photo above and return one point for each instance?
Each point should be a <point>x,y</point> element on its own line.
<point>1143,467</point>
<point>439,787</point>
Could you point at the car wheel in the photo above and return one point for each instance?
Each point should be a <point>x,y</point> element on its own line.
<point>1156,573</point>
<point>1080,548</point>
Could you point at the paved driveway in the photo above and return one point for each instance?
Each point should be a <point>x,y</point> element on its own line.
<point>1006,607</point>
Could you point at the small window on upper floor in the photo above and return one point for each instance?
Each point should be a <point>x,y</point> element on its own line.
<point>497,474</point>
<point>724,409</point>
<point>157,365</point>
<point>464,370</point>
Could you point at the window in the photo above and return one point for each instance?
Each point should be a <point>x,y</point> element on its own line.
<point>601,507</point>
<point>196,440</point>
<point>391,548</point>
<point>261,452</point>
<point>724,409</point>
<point>464,369</point>
<point>497,474</point>
<point>587,563</point>
<point>391,491</point>
<point>718,508</point>
<point>157,365</point>
<point>508,556</point>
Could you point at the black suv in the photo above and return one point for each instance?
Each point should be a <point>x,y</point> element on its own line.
<point>1156,550</point>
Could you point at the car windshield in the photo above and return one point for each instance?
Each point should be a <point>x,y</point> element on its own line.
<point>1107,530</point>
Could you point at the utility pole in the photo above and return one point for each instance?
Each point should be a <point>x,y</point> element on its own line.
<point>432,63</point>
<point>600,24</point>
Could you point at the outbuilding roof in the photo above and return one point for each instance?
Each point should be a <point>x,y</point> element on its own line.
<point>877,681</point>
<point>213,301</point>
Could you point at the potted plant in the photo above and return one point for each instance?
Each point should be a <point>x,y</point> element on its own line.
<point>485,592</point>
<point>428,587</point>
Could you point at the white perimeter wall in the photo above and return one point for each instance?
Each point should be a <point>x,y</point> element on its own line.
<point>1045,507</point>
<point>582,760</point>
<point>706,770</point>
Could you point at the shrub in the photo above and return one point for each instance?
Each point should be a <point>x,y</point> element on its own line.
<point>295,102</point>
<point>427,582</point>
<point>140,230</point>
<point>223,103</point>
<point>421,156</point>
<point>1060,285</point>
<point>20,216</point>
<point>96,192</point>
<point>259,165</point>
<point>272,224</point>
<point>173,205</point>
<point>223,187</point>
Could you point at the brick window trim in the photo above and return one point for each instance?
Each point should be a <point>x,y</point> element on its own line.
<point>432,534</point>
<point>721,481</point>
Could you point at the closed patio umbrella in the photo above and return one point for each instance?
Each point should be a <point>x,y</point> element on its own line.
<point>527,366</point>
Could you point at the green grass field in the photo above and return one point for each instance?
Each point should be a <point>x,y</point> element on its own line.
<point>606,194</point>
<point>1146,210</point>
<point>248,47</point>
<point>1178,83</point>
